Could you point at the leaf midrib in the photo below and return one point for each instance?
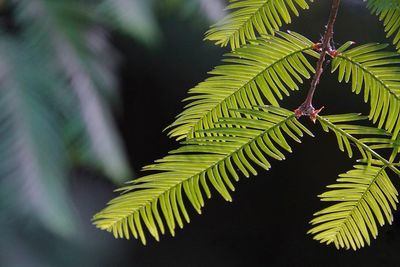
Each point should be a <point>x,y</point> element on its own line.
<point>371,73</point>
<point>357,141</point>
<point>337,229</point>
<point>243,86</point>
<point>201,172</point>
<point>238,29</point>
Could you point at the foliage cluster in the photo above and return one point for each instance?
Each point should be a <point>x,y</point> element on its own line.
<point>232,122</point>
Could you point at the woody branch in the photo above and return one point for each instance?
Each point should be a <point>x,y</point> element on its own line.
<point>307,109</point>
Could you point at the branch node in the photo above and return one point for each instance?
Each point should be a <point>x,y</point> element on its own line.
<point>317,47</point>
<point>308,110</point>
<point>333,53</point>
<point>325,48</point>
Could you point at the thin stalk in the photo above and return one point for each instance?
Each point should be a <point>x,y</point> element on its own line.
<point>307,109</point>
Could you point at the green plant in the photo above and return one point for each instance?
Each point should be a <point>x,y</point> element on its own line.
<point>233,122</point>
<point>56,91</point>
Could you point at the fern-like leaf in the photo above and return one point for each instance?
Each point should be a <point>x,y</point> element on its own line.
<point>347,134</point>
<point>67,34</point>
<point>199,162</point>
<point>376,72</point>
<point>388,11</point>
<point>266,69</point>
<point>249,17</point>
<point>365,197</point>
<point>33,167</point>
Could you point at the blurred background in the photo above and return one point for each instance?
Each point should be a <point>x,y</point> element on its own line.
<point>86,88</point>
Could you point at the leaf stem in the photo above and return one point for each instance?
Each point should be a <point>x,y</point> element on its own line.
<point>307,109</point>
<point>388,163</point>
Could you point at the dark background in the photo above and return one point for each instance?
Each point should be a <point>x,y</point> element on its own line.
<point>267,222</point>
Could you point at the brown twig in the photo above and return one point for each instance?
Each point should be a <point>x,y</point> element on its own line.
<point>307,109</point>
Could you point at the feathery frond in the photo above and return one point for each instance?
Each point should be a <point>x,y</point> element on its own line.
<point>265,69</point>
<point>239,143</point>
<point>225,134</point>
<point>376,72</point>
<point>388,11</point>
<point>249,17</point>
<point>365,197</point>
<point>347,133</point>
<point>55,49</point>
<point>82,58</point>
<point>33,165</point>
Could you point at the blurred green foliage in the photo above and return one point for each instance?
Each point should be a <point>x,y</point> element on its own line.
<point>58,91</point>
<point>57,74</point>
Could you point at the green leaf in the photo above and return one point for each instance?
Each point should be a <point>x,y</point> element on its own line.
<point>84,73</point>
<point>33,166</point>
<point>249,17</point>
<point>367,140</point>
<point>213,160</point>
<point>263,71</point>
<point>346,134</point>
<point>377,73</point>
<point>388,11</point>
<point>364,197</point>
